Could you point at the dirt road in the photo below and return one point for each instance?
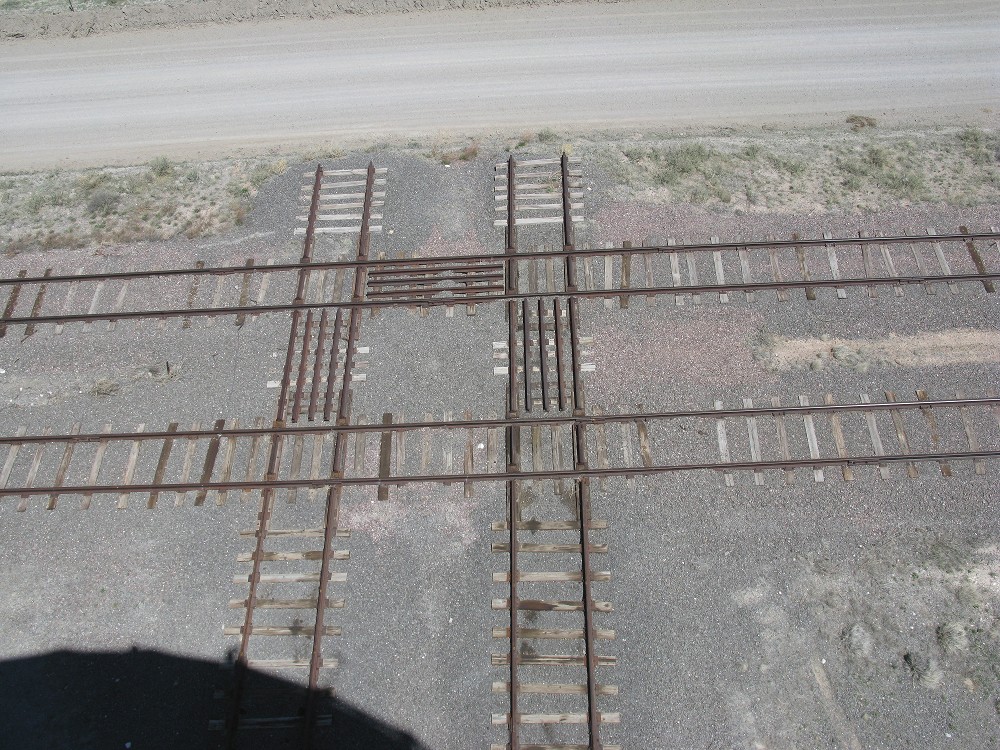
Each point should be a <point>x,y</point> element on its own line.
<point>208,90</point>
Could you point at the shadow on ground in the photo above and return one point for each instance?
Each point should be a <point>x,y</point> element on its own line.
<point>146,700</point>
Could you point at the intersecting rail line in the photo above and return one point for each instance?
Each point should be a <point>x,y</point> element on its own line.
<point>678,270</point>
<point>305,718</point>
<point>555,448</point>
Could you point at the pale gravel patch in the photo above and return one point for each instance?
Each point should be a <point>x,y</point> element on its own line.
<point>933,349</point>
<point>437,245</point>
<point>711,351</point>
<point>390,522</point>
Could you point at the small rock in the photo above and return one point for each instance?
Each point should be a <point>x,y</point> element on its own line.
<point>816,364</point>
<point>825,337</point>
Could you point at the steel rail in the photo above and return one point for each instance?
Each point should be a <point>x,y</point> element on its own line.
<point>512,444</point>
<point>241,666</point>
<point>457,424</point>
<point>581,463</point>
<point>757,286</point>
<point>373,263</point>
<point>332,516</point>
<point>503,476</point>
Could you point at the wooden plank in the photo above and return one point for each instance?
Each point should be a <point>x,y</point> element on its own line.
<point>943,261</point>
<point>647,263</point>
<point>501,526</point>
<point>286,603</point>
<point>869,264</point>
<point>549,577</point>
<point>385,456</point>
<point>602,447</point>
<point>252,458</point>
<point>550,605</point>
<point>745,270</point>
<point>536,450</point>
<point>831,254</point>
<point>12,452</point>
<point>192,445</point>
<point>316,462</point>
<point>754,437</point>
<point>897,422</point>
<point>337,554</point>
<point>916,249</point>
<point>977,261</point>
<point>800,254</point>
<point>979,466</point>
<point>720,429</point>
<point>335,577</point>
<point>675,273</point>
<point>557,688</point>
<point>360,447</point>
<point>209,466</point>
<point>447,451</point>
<point>467,461</point>
<point>890,266</point>
<point>66,305</point>
<point>95,302</point>
<point>810,425</point>
<point>192,293</point>
<point>63,467</point>
<point>552,660</point>
<point>692,269</point>
<point>772,253</point>
<point>626,437</point>
<point>227,464</point>
<point>779,423</point>
<point>295,470</point>
<point>608,276</point>
<point>265,281</point>
<point>875,437</point>
<point>36,307</point>
<point>36,462</point>
<point>548,548</point>
<point>133,459</point>
<point>244,297</point>
<point>932,426</point>
<point>161,465</point>
<point>95,467</point>
<point>293,664</point>
<point>296,533</point>
<point>425,445</point>
<point>720,271</point>
<point>553,634</point>
<point>503,719</point>
<point>626,275</point>
<point>643,432</point>
<point>838,439</point>
<point>277,630</point>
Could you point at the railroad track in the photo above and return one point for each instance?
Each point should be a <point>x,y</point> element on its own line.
<point>247,709</point>
<point>227,460</point>
<point>552,449</point>
<point>683,273</point>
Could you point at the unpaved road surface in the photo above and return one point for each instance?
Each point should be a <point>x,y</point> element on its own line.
<point>203,91</point>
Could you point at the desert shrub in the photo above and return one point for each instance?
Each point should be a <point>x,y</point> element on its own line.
<point>161,166</point>
<point>102,202</point>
